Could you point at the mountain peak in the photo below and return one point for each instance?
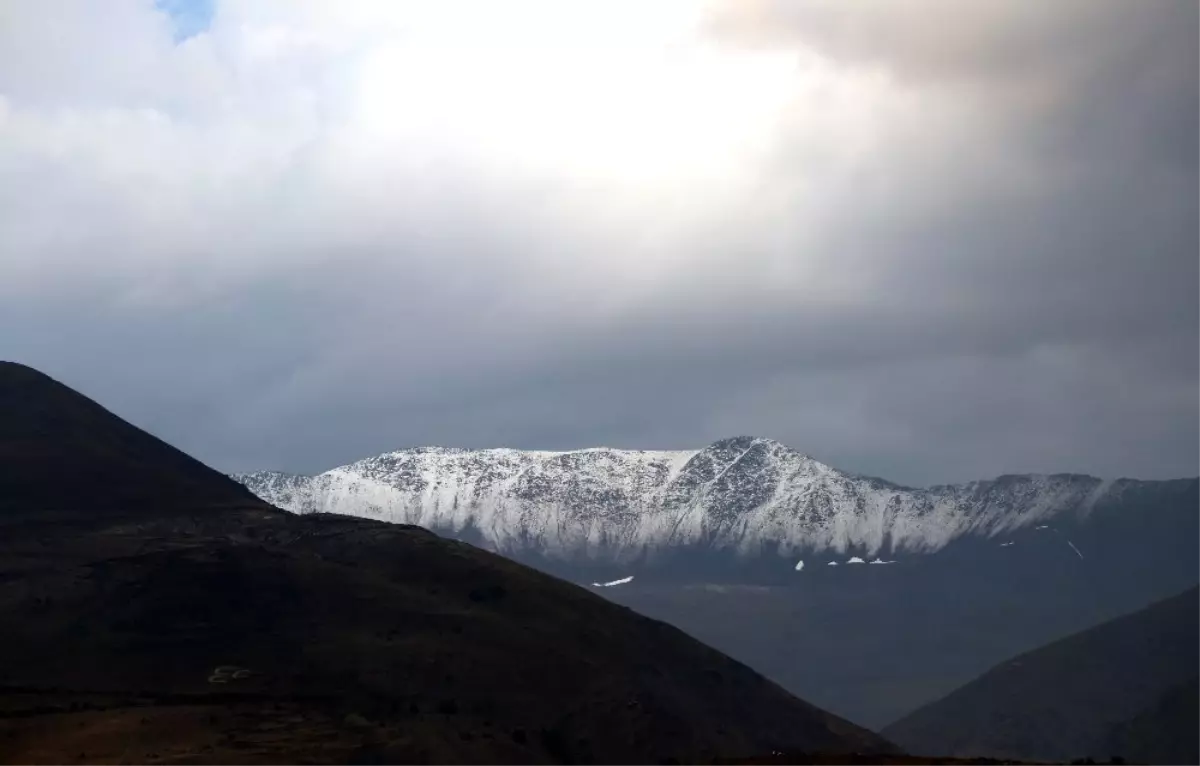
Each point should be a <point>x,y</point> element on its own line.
<point>747,442</point>
<point>7,365</point>
<point>59,450</point>
<point>738,442</point>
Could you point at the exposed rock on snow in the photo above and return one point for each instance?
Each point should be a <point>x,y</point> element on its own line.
<point>743,494</point>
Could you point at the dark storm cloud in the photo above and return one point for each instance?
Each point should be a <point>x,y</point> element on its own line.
<point>985,263</point>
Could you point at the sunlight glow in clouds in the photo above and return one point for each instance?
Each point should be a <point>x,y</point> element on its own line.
<point>340,124</point>
<point>615,91</point>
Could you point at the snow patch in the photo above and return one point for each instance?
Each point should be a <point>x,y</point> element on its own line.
<point>622,581</point>
<point>1097,494</point>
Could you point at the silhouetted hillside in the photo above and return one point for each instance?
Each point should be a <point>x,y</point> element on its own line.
<point>1125,683</point>
<point>60,451</point>
<point>1166,731</point>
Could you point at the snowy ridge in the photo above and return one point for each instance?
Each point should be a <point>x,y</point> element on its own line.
<point>744,494</point>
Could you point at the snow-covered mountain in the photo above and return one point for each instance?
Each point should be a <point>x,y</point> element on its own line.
<point>767,554</point>
<point>742,495</point>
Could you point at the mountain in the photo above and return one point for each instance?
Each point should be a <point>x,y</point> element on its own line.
<point>153,612</point>
<point>1165,732</point>
<point>746,496</point>
<point>1129,682</point>
<point>60,451</point>
<point>734,545</point>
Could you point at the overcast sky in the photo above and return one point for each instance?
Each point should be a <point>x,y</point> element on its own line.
<point>923,239</point>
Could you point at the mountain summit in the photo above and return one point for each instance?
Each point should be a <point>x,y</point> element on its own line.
<point>60,451</point>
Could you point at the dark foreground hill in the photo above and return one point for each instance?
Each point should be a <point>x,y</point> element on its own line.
<point>859,759</point>
<point>150,612</point>
<point>62,451</point>
<point>1165,732</point>
<point>1125,688</point>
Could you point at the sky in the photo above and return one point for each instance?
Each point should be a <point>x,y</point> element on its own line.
<point>927,240</point>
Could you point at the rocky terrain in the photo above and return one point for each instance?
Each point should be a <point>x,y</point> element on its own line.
<point>746,496</point>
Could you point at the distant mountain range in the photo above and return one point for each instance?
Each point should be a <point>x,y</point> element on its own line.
<point>734,543</point>
<point>743,497</point>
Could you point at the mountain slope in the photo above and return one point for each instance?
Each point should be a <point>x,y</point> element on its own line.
<point>246,634</point>
<point>1166,731</point>
<point>1063,701</point>
<point>743,495</point>
<point>60,451</point>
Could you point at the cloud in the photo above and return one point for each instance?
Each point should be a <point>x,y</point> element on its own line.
<point>308,231</point>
